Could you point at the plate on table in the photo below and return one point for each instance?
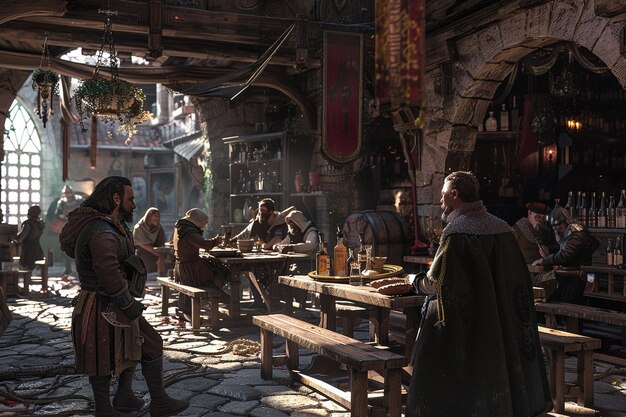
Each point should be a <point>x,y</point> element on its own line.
<point>224,253</point>
<point>387,272</point>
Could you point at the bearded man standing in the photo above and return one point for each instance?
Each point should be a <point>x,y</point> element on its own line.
<point>109,333</point>
<point>478,338</point>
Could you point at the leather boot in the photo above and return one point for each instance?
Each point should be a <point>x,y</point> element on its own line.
<point>161,404</point>
<point>100,387</point>
<point>124,399</point>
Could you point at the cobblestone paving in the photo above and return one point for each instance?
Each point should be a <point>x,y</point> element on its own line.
<point>218,384</point>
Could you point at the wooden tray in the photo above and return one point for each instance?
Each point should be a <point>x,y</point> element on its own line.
<point>390,271</point>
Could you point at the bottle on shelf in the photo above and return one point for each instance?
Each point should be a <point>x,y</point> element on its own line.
<point>601,214</point>
<point>570,207</point>
<point>514,119</point>
<point>340,255</point>
<point>618,257</point>
<point>504,118</point>
<point>620,212</point>
<point>491,124</point>
<point>592,214</point>
<point>611,219</point>
<point>362,255</point>
<point>322,260</point>
<point>582,209</point>
<point>609,252</point>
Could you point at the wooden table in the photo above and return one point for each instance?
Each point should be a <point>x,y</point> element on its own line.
<point>253,263</point>
<point>379,315</point>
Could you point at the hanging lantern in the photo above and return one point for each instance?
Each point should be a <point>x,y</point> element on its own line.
<point>109,97</point>
<point>46,84</point>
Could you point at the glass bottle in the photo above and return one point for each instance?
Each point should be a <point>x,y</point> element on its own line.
<point>340,255</point>
<point>579,200</point>
<point>354,269</point>
<point>504,118</point>
<point>611,219</point>
<point>570,206</point>
<point>609,252</point>
<point>362,255</point>
<point>620,212</point>
<point>592,214</point>
<point>514,119</point>
<point>618,257</point>
<point>491,124</point>
<point>601,215</point>
<point>582,209</point>
<point>322,260</point>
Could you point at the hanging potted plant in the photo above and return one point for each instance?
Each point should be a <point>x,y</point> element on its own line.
<point>46,84</point>
<point>110,98</point>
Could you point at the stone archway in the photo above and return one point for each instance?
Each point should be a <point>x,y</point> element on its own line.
<point>485,59</point>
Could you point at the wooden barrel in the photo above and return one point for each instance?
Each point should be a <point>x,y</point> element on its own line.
<point>387,231</point>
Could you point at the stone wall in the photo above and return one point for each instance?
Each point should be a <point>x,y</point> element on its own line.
<point>486,53</point>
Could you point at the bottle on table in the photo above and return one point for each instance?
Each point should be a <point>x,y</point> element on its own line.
<point>362,255</point>
<point>354,269</point>
<point>340,255</point>
<point>322,260</point>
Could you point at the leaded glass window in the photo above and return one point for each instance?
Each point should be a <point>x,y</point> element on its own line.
<point>20,173</point>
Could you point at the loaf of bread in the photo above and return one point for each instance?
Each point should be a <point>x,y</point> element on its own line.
<point>385,281</point>
<point>398,288</point>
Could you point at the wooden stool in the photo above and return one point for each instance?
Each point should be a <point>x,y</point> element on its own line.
<point>27,276</point>
<point>8,282</point>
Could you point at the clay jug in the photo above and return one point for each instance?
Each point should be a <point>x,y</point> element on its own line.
<point>298,182</point>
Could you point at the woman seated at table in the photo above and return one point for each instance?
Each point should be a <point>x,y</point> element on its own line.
<point>190,268</point>
<point>302,236</point>
<point>148,234</point>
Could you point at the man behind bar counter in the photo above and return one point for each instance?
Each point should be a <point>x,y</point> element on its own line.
<point>478,339</point>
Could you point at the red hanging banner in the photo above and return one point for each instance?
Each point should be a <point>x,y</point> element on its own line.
<point>343,62</point>
<point>399,53</point>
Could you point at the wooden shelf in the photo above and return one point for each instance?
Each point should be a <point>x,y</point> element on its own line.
<point>507,135</point>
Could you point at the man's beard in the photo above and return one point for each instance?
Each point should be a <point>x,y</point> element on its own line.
<point>558,237</point>
<point>127,216</point>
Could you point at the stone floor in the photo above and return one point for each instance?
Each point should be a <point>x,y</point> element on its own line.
<point>36,365</point>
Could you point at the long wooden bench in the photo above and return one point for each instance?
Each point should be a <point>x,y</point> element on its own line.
<point>575,313</point>
<point>197,295</point>
<point>360,358</point>
<point>558,344</point>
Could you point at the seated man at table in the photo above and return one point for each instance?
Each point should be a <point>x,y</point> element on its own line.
<point>533,232</point>
<point>478,338</point>
<point>190,268</point>
<point>268,225</point>
<point>575,249</point>
<point>148,233</point>
<point>302,236</point>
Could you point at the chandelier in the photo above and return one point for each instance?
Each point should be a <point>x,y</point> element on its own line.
<point>46,84</point>
<point>564,85</point>
<point>109,97</point>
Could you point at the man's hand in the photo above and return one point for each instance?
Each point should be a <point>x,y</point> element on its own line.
<point>538,262</point>
<point>134,310</point>
<point>543,250</point>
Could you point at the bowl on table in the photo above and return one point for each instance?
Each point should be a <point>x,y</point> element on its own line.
<point>245,245</point>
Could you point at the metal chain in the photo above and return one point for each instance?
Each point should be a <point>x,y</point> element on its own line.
<point>45,53</point>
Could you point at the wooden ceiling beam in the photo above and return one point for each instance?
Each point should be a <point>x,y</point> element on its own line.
<point>137,44</point>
